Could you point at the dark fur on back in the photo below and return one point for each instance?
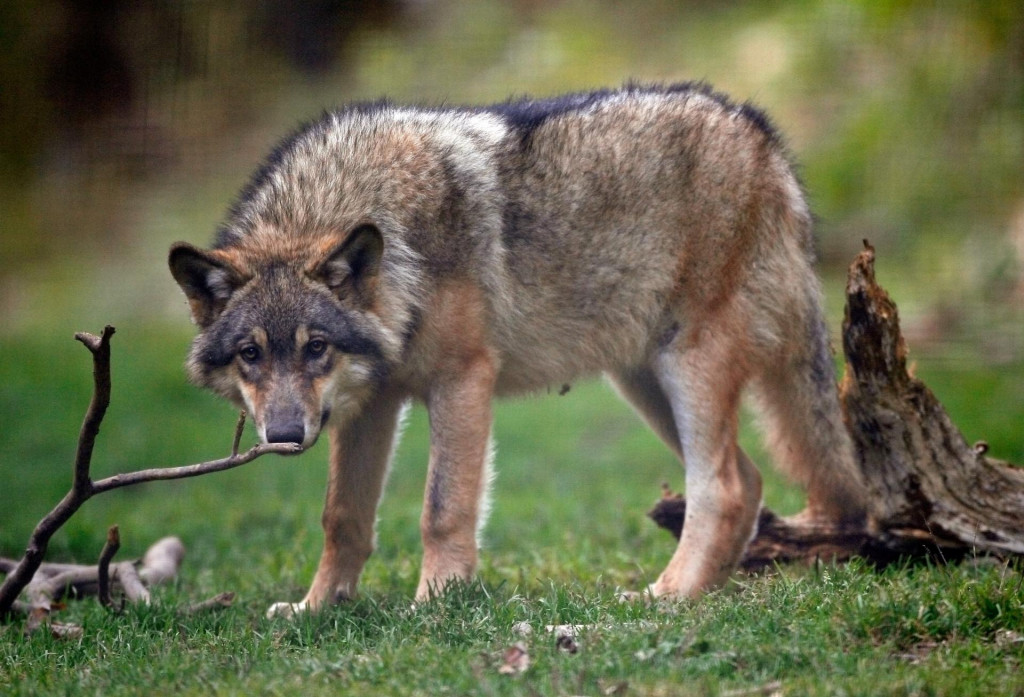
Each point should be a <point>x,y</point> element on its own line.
<point>527,114</point>
<point>523,115</point>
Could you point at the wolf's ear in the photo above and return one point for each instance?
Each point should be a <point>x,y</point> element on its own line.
<point>351,269</point>
<point>208,281</point>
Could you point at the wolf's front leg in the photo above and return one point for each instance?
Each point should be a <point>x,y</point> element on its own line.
<point>361,449</point>
<point>459,406</point>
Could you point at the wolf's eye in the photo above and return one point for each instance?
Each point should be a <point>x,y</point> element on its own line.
<point>250,353</point>
<point>316,348</point>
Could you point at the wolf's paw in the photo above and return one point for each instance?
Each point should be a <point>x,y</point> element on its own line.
<point>828,523</point>
<point>286,610</point>
<point>645,596</point>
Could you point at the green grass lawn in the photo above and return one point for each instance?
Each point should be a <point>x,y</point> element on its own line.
<point>576,473</point>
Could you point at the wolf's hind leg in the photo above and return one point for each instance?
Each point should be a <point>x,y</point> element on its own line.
<point>640,386</point>
<point>361,450</point>
<point>702,383</point>
<point>799,411</point>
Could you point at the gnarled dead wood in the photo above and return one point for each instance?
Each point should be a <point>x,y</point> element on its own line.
<point>932,493</point>
<point>925,480</point>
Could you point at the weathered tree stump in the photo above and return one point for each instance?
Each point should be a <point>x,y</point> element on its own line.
<point>933,494</point>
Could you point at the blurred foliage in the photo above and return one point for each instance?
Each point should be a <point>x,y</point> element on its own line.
<point>129,124</point>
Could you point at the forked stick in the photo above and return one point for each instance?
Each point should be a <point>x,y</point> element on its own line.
<point>83,488</point>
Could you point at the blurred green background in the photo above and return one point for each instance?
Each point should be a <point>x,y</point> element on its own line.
<point>127,125</point>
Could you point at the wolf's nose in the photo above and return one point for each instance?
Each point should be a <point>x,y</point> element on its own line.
<point>286,433</point>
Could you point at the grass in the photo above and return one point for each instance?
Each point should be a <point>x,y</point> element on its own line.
<point>567,531</point>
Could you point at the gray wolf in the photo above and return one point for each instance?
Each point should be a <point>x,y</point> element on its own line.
<point>656,234</point>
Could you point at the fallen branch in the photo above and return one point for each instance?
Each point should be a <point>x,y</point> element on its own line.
<point>53,582</point>
<point>42,594</point>
<point>934,495</point>
<point>103,568</point>
<point>133,587</point>
<point>83,488</point>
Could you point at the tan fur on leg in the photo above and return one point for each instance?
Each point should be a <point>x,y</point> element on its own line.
<point>702,377</point>
<point>360,455</point>
<point>460,423</point>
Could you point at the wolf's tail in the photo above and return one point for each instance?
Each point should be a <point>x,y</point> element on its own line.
<point>803,423</point>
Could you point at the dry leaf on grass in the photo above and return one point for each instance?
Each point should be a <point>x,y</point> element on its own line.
<point>1007,638</point>
<point>65,631</point>
<point>610,687</point>
<point>515,659</point>
<point>772,689</point>
<point>565,636</point>
<point>523,629</point>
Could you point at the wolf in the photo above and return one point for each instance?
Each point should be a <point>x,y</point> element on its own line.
<point>654,233</point>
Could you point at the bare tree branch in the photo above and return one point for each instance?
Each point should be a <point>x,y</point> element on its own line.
<point>46,569</point>
<point>42,593</point>
<point>239,428</point>
<point>161,561</point>
<point>103,567</point>
<point>83,488</point>
<point>99,346</point>
<point>184,471</point>
<point>133,587</point>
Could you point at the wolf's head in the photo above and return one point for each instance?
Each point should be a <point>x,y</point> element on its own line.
<point>289,340</point>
